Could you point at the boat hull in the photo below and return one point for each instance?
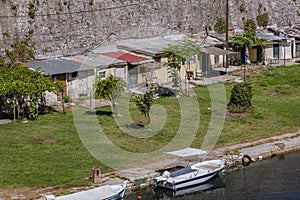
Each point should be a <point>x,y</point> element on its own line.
<point>187,183</point>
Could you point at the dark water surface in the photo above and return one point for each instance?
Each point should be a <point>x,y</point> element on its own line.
<point>275,178</point>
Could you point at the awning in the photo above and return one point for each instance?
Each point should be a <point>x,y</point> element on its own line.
<point>216,51</point>
<point>187,152</point>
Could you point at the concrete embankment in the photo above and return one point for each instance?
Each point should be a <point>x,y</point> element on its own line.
<point>234,155</point>
<point>141,175</point>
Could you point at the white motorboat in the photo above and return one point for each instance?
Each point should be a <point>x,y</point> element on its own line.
<point>107,192</point>
<point>189,176</point>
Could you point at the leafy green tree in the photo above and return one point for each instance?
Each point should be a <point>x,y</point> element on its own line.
<point>110,88</point>
<point>250,25</point>
<point>240,99</point>
<point>248,38</point>
<point>144,102</point>
<point>176,55</point>
<point>25,89</point>
<point>220,26</point>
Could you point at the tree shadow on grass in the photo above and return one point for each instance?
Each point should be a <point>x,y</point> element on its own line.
<point>135,126</point>
<point>103,112</point>
<point>99,112</point>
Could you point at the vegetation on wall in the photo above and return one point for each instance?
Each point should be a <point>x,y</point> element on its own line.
<point>220,26</point>
<point>250,25</point>
<point>31,9</point>
<point>262,19</point>
<point>20,51</point>
<point>242,8</point>
<point>91,2</point>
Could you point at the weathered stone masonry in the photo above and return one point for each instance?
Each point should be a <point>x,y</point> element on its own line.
<point>66,27</point>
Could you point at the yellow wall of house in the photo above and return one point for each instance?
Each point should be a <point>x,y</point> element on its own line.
<point>187,68</point>
<point>252,54</point>
<point>161,75</point>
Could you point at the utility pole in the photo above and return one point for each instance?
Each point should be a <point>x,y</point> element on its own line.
<point>227,46</point>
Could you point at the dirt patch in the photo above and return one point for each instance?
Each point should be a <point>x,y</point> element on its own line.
<point>45,140</point>
<point>25,193</point>
<point>231,115</point>
<point>5,121</point>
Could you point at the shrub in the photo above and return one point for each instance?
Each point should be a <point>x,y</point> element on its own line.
<point>241,95</point>
<point>67,99</point>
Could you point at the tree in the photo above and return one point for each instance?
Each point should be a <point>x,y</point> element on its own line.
<point>240,99</point>
<point>176,55</point>
<point>250,25</point>
<point>23,89</point>
<point>220,26</point>
<point>248,38</point>
<point>110,88</point>
<point>144,102</point>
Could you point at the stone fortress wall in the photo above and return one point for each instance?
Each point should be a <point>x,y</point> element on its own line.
<point>67,27</point>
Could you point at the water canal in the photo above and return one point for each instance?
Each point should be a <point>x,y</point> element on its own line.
<point>275,178</point>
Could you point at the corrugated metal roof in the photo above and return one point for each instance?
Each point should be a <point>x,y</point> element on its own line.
<point>148,46</point>
<point>57,66</point>
<point>269,36</point>
<point>97,60</point>
<point>216,51</point>
<point>106,48</point>
<point>128,57</point>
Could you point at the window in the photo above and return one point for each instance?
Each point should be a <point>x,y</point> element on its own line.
<point>74,74</point>
<point>102,74</point>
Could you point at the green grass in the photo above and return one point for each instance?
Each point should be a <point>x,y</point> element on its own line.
<point>45,152</point>
<point>48,152</point>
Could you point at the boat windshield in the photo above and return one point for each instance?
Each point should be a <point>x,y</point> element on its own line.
<point>182,171</point>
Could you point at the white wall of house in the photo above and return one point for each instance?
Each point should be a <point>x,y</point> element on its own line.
<point>268,53</point>
<point>285,52</point>
<point>82,85</point>
<point>51,98</point>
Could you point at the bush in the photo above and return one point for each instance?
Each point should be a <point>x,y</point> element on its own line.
<point>240,100</point>
<point>67,99</point>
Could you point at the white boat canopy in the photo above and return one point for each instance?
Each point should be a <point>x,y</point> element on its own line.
<point>187,152</point>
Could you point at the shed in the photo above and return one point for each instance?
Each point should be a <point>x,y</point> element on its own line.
<point>73,75</point>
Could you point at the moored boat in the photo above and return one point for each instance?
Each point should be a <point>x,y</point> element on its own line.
<point>107,192</point>
<point>190,176</point>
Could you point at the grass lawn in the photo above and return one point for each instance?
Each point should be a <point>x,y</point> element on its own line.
<point>48,152</point>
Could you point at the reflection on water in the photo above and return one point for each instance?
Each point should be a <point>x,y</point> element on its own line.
<point>275,178</point>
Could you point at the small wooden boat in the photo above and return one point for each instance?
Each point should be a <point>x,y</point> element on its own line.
<point>107,192</point>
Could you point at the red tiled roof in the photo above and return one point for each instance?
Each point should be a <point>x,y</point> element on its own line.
<point>131,58</point>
